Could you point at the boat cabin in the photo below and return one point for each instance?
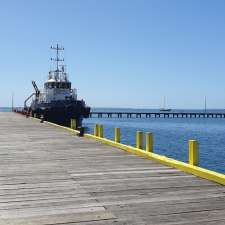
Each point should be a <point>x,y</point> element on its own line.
<point>54,84</point>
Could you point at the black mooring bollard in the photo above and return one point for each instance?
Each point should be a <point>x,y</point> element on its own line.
<point>81,129</point>
<point>42,119</point>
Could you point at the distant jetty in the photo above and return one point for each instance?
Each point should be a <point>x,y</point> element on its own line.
<point>169,114</point>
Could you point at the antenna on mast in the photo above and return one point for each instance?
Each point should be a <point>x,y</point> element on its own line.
<point>57,59</point>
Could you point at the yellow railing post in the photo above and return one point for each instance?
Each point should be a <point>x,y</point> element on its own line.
<point>73,124</point>
<point>193,152</point>
<point>139,139</point>
<point>96,130</point>
<point>117,135</point>
<point>100,131</point>
<point>35,115</point>
<point>149,142</point>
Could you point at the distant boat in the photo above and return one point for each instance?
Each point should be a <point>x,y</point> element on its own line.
<point>205,110</point>
<point>164,109</point>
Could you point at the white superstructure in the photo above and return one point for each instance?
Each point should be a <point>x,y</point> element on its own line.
<point>57,87</point>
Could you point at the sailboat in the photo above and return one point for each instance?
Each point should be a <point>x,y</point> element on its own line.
<point>205,110</point>
<point>164,109</point>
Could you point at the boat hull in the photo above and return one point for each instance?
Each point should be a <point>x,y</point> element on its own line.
<point>61,112</point>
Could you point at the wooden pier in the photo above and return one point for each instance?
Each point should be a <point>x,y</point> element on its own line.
<point>156,115</point>
<point>49,176</point>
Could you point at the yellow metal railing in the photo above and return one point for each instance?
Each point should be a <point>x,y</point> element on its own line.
<point>117,135</point>
<point>190,167</point>
<point>149,142</point>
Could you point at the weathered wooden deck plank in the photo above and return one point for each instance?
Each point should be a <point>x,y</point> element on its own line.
<point>49,176</point>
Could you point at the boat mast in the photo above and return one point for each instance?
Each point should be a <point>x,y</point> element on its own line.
<point>164,102</point>
<point>205,104</point>
<point>57,59</point>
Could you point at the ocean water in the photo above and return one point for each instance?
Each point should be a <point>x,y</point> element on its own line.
<point>171,135</point>
<point>5,109</point>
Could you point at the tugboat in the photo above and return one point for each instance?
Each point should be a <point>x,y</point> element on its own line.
<point>57,102</point>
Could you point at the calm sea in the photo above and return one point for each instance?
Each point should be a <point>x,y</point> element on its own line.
<point>5,109</point>
<point>171,135</point>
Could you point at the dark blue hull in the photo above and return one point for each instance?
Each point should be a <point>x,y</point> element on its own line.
<point>61,112</point>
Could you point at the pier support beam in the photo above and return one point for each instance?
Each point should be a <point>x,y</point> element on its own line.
<point>193,153</point>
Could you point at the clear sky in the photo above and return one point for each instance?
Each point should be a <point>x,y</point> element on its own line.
<point>119,53</point>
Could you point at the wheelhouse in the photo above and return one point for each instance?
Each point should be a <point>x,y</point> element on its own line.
<point>61,85</point>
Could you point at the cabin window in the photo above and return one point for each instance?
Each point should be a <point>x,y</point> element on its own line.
<point>63,85</point>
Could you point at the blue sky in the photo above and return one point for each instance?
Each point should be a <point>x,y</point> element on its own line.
<point>119,53</point>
